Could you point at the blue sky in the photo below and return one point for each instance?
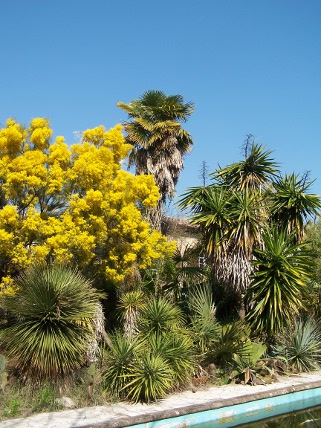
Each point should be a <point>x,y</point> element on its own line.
<point>250,67</point>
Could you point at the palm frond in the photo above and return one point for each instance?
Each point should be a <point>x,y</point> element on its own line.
<point>255,172</point>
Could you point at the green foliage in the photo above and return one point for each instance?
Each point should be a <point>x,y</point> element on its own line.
<point>151,378</point>
<point>3,374</point>
<point>51,321</point>
<point>283,270</point>
<point>2,363</point>
<point>210,206</point>
<point>202,315</point>
<point>177,350</point>
<point>300,344</point>
<point>159,316</point>
<point>44,398</point>
<point>158,359</point>
<point>246,364</point>
<point>231,339</point>
<point>174,274</point>
<point>214,341</point>
<point>254,172</point>
<point>254,353</point>
<point>293,205</point>
<point>147,367</point>
<point>119,358</point>
<point>13,408</point>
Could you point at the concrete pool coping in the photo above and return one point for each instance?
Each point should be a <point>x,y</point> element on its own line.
<point>122,414</point>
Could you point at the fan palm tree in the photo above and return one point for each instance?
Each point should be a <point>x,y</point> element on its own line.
<point>158,141</point>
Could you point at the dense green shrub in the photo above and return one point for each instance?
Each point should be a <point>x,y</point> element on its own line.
<point>51,321</point>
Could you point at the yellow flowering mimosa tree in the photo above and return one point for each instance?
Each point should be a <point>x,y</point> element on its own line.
<point>73,204</point>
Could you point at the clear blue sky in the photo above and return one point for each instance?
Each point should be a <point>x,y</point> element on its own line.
<point>250,67</point>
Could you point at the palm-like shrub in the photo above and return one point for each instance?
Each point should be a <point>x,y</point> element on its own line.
<point>283,270</point>
<point>136,370</point>
<point>51,322</point>
<point>151,378</point>
<point>159,316</point>
<point>300,344</point>
<point>119,358</point>
<point>177,350</point>
<point>231,339</point>
<point>157,360</point>
<point>293,205</point>
<point>202,314</point>
<point>129,305</point>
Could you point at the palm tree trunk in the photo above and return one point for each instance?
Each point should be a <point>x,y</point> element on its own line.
<point>154,216</point>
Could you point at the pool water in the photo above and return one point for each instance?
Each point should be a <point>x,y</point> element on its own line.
<point>307,418</point>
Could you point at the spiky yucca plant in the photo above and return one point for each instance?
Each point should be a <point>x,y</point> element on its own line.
<point>151,378</point>
<point>202,315</point>
<point>156,360</point>
<point>159,316</point>
<point>119,357</point>
<point>177,350</point>
<point>129,305</point>
<point>300,344</point>
<point>51,321</point>
<point>283,270</point>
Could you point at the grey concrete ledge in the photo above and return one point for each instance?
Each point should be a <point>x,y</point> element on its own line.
<point>122,414</point>
<point>215,404</point>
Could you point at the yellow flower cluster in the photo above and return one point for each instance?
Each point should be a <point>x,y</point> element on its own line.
<point>74,203</point>
<point>40,133</point>
<point>12,138</point>
<point>7,286</point>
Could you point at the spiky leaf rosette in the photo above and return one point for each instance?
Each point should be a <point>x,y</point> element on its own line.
<point>51,321</point>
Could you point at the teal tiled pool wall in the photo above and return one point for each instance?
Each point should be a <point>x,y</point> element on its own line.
<point>232,416</point>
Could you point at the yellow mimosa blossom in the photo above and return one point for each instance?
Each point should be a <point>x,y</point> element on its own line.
<point>7,286</point>
<point>59,153</point>
<point>40,133</point>
<point>73,204</point>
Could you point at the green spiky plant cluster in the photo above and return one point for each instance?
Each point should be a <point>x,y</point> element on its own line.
<point>252,222</point>
<point>51,321</point>
<point>283,271</point>
<point>300,344</point>
<point>215,342</point>
<point>158,359</point>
